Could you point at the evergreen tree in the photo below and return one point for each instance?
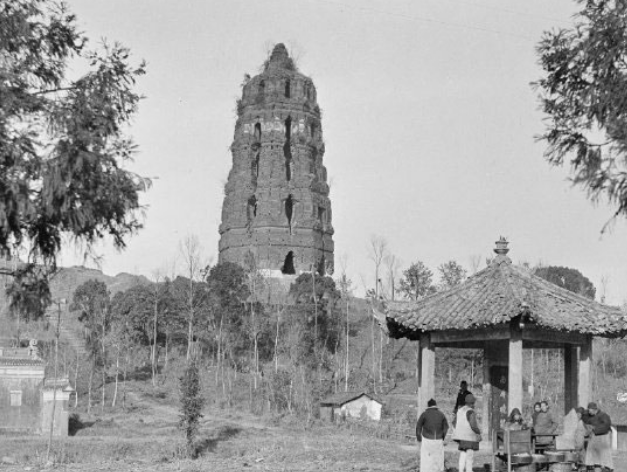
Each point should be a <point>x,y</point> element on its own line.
<point>192,403</point>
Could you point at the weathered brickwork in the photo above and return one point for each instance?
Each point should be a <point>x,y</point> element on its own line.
<point>276,203</point>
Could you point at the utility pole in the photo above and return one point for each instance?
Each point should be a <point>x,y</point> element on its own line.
<point>54,385</point>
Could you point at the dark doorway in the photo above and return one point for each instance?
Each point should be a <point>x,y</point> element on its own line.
<point>288,264</point>
<point>498,398</point>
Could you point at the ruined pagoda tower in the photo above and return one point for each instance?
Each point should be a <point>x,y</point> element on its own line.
<point>276,204</point>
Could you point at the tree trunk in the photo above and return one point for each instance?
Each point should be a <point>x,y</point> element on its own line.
<point>76,381</point>
<point>380,357</point>
<point>276,341</point>
<point>153,354</point>
<point>91,377</point>
<point>219,373</point>
<point>254,335</point>
<point>374,360</point>
<point>117,373</point>
<point>190,329</point>
<point>124,381</point>
<point>54,388</point>
<point>104,360</point>
<point>346,364</point>
<point>167,343</point>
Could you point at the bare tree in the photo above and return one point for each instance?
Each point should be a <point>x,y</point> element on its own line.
<point>345,288</point>
<point>157,277</point>
<point>475,262</point>
<point>255,283</point>
<point>378,249</point>
<point>392,264</point>
<point>605,279</point>
<point>191,252</point>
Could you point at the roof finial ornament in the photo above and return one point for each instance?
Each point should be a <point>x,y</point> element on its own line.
<point>501,246</point>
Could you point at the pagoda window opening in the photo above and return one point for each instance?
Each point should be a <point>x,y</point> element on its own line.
<point>255,165</point>
<point>288,92</point>
<point>321,215</point>
<point>289,210</point>
<point>288,264</point>
<point>312,130</point>
<point>252,209</point>
<point>287,149</point>
<point>321,269</point>
<point>257,131</point>
<point>312,161</point>
<point>261,91</point>
<point>288,128</point>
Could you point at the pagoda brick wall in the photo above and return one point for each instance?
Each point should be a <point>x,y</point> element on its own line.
<point>277,197</point>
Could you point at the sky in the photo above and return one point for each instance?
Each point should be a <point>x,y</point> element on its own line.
<point>429,122</point>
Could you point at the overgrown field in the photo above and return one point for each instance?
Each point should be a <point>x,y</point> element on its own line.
<point>146,437</point>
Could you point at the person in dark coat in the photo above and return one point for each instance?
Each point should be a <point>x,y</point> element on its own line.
<point>544,424</point>
<point>461,396</point>
<point>599,450</point>
<point>431,430</point>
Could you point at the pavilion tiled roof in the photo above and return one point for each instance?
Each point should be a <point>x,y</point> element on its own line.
<point>499,293</point>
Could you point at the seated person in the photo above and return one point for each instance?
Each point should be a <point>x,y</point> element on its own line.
<point>544,424</point>
<point>515,421</point>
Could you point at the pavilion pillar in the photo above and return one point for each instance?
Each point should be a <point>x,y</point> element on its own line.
<point>486,393</point>
<point>570,378</point>
<point>515,370</point>
<point>584,383</point>
<point>426,372</point>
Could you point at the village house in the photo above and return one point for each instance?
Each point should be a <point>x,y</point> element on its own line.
<point>350,405</point>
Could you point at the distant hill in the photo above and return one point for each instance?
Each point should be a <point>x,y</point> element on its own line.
<point>63,285</point>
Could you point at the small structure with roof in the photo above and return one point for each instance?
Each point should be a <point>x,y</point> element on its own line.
<point>21,379</point>
<point>27,398</point>
<point>502,310</point>
<point>357,405</point>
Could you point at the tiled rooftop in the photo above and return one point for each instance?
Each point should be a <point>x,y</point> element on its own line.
<point>499,293</point>
<point>344,397</point>
<point>20,361</point>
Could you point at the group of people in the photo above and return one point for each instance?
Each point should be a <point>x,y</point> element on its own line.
<point>592,438</point>
<point>432,427</point>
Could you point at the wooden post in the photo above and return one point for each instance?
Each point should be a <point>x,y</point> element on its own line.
<point>426,367</point>
<point>515,370</point>
<point>584,383</point>
<point>487,394</point>
<point>570,378</point>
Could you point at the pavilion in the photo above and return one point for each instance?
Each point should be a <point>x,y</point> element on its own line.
<point>502,310</point>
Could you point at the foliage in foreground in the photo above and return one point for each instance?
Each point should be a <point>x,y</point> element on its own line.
<point>62,142</point>
<point>584,95</point>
